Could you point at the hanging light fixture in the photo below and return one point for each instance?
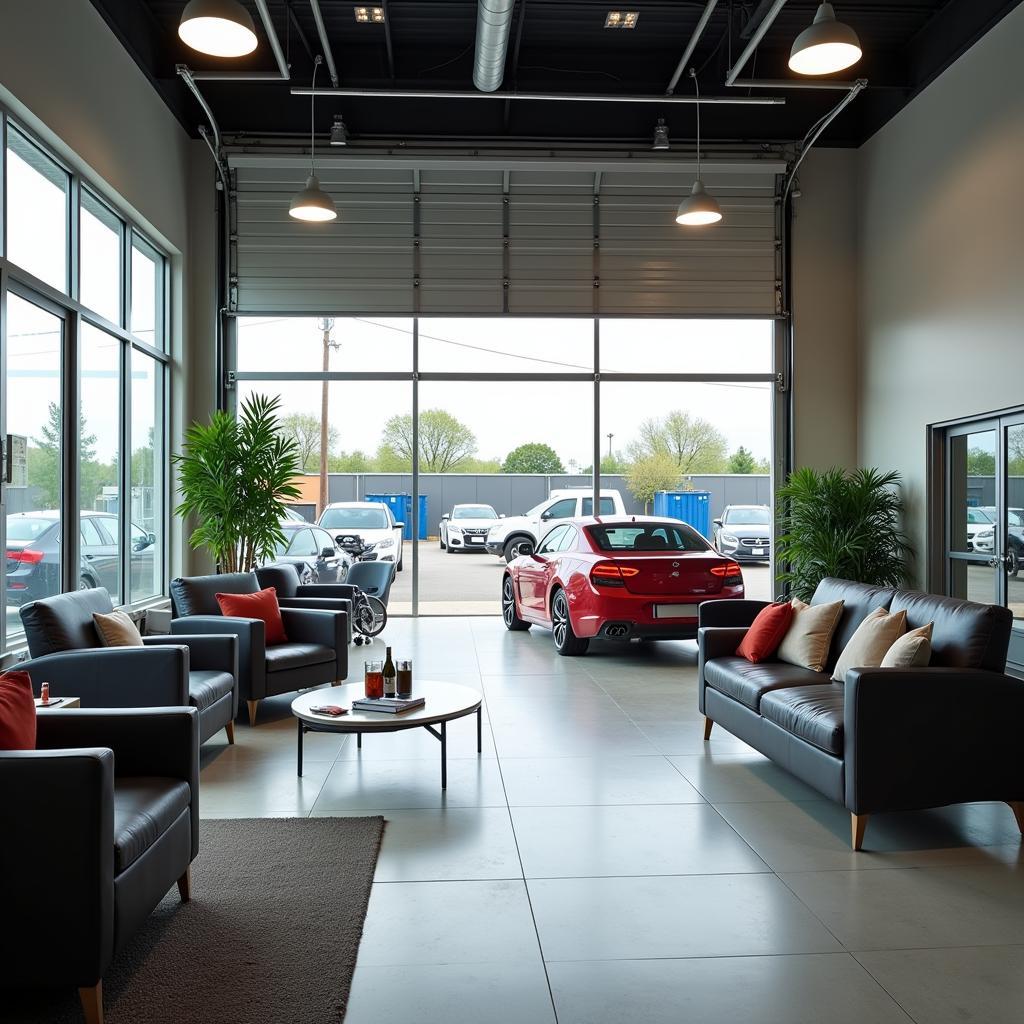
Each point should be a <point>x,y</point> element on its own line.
<point>313,203</point>
<point>660,135</point>
<point>339,133</point>
<point>825,46</point>
<point>699,207</point>
<point>221,28</point>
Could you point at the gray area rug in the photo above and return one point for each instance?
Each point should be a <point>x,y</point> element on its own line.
<point>270,936</point>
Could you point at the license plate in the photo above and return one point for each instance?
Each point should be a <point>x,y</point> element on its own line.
<point>757,551</point>
<point>675,611</point>
<point>476,540</point>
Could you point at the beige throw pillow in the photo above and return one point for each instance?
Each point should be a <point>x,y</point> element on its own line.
<point>871,641</point>
<point>912,650</point>
<point>809,637</point>
<point>117,630</point>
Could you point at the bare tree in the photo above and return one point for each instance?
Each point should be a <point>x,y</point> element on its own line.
<point>695,444</point>
<point>304,429</point>
<point>445,442</point>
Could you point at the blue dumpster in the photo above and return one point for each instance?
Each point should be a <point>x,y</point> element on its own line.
<point>401,509</point>
<point>693,507</point>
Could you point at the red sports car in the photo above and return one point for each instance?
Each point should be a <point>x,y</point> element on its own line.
<point>616,578</point>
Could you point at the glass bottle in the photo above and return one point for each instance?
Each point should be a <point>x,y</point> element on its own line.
<point>390,676</point>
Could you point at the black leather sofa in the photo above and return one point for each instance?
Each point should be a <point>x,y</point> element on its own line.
<point>291,593</point>
<point>316,652</point>
<point>97,824</point>
<point>167,671</point>
<point>884,739</point>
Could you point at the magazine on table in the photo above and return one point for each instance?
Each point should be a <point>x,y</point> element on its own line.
<point>389,705</point>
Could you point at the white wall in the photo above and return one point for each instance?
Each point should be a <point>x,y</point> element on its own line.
<point>942,259</point>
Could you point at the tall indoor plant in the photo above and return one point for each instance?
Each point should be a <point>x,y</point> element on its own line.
<point>235,475</point>
<point>844,524</point>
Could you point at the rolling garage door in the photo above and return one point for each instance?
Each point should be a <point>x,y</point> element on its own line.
<point>521,236</point>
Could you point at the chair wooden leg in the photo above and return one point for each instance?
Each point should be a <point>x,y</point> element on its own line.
<point>92,1003</point>
<point>253,705</point>
<point>185,885</point>
<point>1017,806</point>
<point>230,730</point>
<point>337,682</point>
<point>708,726</point>
<point>858,823</point>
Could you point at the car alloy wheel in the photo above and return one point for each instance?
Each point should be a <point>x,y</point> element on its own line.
<point>518,547</point>
<point>1012,562</point>
<point>566,641</point>
<point>85,583</point>
<point>508,606</point>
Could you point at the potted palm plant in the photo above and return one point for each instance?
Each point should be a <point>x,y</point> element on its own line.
<point>235,475</point>
<point>843,524</point>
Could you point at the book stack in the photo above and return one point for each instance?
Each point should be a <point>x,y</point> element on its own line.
<point>388,705</point>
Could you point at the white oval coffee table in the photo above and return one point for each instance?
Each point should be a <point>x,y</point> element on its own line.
<point>445,702</point>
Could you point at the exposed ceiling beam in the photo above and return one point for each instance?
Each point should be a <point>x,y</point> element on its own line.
<point>544,97</point>
<point>698,31</point>
<point>388,46</point>
<point>325,43</point>
<point>771,10</point>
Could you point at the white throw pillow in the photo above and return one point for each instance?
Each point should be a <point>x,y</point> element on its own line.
<point>871,642</point>
<point>809,636</point>
<point>912,650</point>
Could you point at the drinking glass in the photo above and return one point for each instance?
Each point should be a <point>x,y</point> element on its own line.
<point>404,673</point>
<point>374,676</point>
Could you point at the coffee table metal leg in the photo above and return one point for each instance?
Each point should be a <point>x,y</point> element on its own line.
<point>298,721</point>
<point>444,755</point>
<point>479,729</point>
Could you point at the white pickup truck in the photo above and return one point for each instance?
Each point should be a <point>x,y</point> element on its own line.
<point>519,535</point>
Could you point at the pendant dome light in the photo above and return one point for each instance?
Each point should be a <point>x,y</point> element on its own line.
<point>825,46</point>
<point>699,207</point>
<point>221,28</point>
<point>313,203</point>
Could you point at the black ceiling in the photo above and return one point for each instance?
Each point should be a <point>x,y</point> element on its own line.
<point>562,47</point>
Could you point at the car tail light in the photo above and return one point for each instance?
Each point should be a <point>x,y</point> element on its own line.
<point>728,571</point>
<point>608,574</point>
<point>25,555</point>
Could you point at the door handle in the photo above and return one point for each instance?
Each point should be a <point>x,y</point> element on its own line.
<point>999,562</point>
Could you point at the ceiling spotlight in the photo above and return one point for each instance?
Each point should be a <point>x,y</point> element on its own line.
<point>339,134</point>
<point>660,135</point>
<point>368,15</point>
<point>221,28</point>
<point>825,46</point>
<point>621,19</point>
<point>313,203</point>
<point>699,207</point>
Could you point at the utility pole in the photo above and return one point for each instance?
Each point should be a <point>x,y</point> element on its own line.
<point>610,436</point>
<point>326,325</point>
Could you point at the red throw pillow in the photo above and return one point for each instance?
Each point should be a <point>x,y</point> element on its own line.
<point>17,712</point>
<point>766,632</point>
<point>261,605</point>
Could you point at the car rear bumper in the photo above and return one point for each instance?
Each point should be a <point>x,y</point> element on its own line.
<point>636,614</point>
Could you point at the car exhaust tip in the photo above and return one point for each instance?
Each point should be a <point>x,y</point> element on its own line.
<point>616,631</point>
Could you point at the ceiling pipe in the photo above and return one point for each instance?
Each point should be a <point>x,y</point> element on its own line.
<point>709,9</point>
<point>755,38</point>
<point>790,83</point>
<point>493,28</point>
<point>283,73</point>
<point>215,147</point>
<point>547,97</point>
<point>325,45</point>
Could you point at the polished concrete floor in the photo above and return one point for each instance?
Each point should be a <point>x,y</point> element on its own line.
<point>600,863</point>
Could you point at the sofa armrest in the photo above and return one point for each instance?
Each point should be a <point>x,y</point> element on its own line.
<point>717,642</point>
<point>729,613</point>
<point>928,737</point>
<point>116,677</point>
<point>341,590</point>
<point>331,629</point>
<point>57,823</point>
<point>144,741</point>
<point>206,653</point>
<point>252,647</point>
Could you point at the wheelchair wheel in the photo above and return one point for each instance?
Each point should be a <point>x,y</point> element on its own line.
<point>372,616</point>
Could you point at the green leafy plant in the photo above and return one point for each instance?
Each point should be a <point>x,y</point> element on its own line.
<point>844,524</point>
<point>235,475</point>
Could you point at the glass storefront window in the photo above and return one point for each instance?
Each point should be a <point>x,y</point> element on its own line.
<point>145,289</point>
<point>146,512</point>
<point>510,345</point>
<point>100,264</point>
<point>686,346</point>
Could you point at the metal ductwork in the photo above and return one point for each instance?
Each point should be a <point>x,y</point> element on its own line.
<point>493,27</point>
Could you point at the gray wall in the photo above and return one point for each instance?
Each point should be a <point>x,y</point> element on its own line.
<point>513,494</point>
<point>942,259</point>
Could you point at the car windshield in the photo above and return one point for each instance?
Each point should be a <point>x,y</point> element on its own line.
<point>975,515</point>
<point>21,528</point>
<point>281,548</point>
<point>474,512</point>
<point>748,516</point>
<point>648,537</point>
<point>354,519</point>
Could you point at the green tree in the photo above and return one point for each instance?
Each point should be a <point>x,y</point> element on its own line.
<point>611,465</point>
<point>742,461</point>
<point>650,474</point>
<point>981,462</point>
<point>350,462</point>
<point>44,466</point>
<point>480,466</point>
<point>532,458</point>
<point>304,429</point>
<point>445,443</point>
<point>696,445</point>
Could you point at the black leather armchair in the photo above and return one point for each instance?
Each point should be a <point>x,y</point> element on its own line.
<point>164,672</point>
<point>291,593</point>
<point>316,651</point>
<point>104,816</point>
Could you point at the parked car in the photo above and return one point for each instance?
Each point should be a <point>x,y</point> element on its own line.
<point>744,532</point>
<point>291,516</point>
<point>616,578</point>
<point>314,552</point>
<point>977,520</point>
<point>371,523</point>
<point>465,528</point>
<point>984,539</point>
<point>33,554</point>
<point>518,535</point>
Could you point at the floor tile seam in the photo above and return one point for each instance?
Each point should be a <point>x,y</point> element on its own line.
<point>809,909</point>
<point>618,803</point>
<point>858,953</point>
<point>892,995</point>
<point>699,956</point>
<point>659,874</point>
